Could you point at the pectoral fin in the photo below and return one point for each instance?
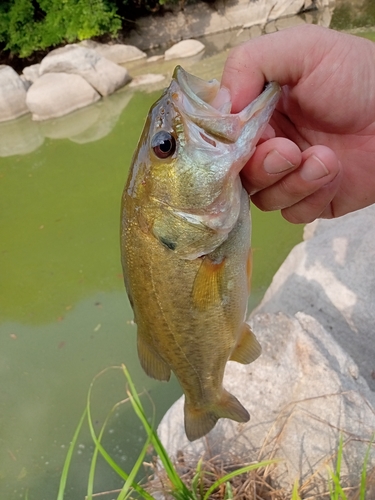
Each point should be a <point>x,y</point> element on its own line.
<point>208,283</point>
<point>247,348</point>
<point>151,362</point>
<point>199,421</point>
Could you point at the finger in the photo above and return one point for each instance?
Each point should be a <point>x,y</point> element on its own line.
<point>273,57</point>
<point>269,133</point>
<point>318,168</point>
<point>272,160</point>
<point>317,205</point>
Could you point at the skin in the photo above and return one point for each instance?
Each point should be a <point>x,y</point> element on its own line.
<point>318,158</point>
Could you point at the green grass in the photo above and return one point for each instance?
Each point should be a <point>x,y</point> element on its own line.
<point>201,483</point>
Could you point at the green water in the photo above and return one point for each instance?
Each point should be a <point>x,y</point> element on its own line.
<point>64,313</point>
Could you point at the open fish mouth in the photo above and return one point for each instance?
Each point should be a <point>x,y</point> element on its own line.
<point>208,105</point>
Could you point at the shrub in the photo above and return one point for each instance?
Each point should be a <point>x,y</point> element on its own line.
<point>30,25</point>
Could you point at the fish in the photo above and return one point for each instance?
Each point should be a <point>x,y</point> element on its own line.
<point>185,242</point>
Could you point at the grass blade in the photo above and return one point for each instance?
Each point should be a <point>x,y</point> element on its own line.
<point>228,491</point>
<point>106,455</point>
<point>295,495</point>
<point>178,485</point>
<point>68,459</point>
<point>362,489</point>
<point>338,492</point>
<point>129,482</point>
<point>90,484</point>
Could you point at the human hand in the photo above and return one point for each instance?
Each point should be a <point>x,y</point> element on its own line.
<point>318,159</point>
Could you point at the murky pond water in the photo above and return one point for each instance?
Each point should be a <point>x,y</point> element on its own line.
<point>64,313</point>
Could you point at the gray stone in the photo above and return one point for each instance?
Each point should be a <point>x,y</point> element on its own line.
<point>12,94</point>
<point>282,8</point>
<point>149,80</point>
<point>26,83</point>
<point>331,276</point>
<point>57,94</point>
<point>185,48</point>
<point>31,73</point>
<point>102,74</point>
<point>302,394</point>
<point>117,53</point>
<point>154,59</point>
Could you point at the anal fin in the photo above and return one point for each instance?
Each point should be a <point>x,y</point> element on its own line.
<point>247,348</point>
<point>151,362</point>
<point>200,421</point>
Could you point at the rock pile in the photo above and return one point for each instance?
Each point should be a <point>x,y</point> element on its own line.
<point>75,76</point>
<point>315,379</point>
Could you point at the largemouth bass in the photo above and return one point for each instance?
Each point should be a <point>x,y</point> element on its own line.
<point>185,242</point>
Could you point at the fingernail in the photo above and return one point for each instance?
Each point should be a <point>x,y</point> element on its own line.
<point>313,169</point>
<point>274,163</point>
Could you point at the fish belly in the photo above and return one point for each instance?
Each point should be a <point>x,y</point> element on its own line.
<point>190,317</point>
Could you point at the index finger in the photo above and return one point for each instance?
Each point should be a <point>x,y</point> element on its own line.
<point>285,57</point>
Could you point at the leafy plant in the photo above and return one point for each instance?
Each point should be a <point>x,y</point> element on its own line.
<point>30,25</point>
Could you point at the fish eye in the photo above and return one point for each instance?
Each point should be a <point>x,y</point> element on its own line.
<point>163,144</point>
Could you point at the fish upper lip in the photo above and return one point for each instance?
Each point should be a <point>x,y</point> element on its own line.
<point>225,126</point>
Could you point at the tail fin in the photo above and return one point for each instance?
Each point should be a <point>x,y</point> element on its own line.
<point>199,421</point>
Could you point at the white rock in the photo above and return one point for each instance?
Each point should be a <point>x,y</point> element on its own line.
<point>282,8</point>
<point>147,79</point>
<point>12,94</point>
<point>57,94</point>
<point>153,59</point>
<point>331,277</point>
<point>31,73</point>
<point>302,393</point>
<point>117,53</point>
<point>186,48</point>
<point>26,83</point>
<point>104,75</point>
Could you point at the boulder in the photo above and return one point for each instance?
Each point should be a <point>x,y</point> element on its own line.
<point>154,59</point>
<point>102,74</point>
<point>302,394</point>
<point>281,8</point>
<point>31,73</point>
<point>12,94</point>
<point>117,53</point>
<point>149,80</point>
<point>57,94</point>
<point>186,48</point>
<point>331,276</point>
